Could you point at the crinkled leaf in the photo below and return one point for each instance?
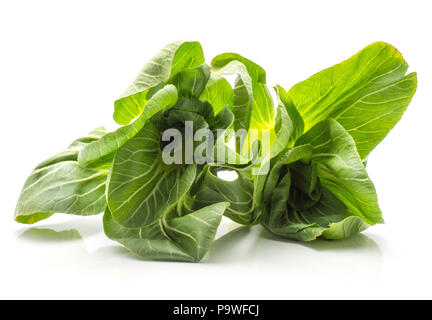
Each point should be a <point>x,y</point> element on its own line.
<point>180,238</point>
<point>341,170</point>
<point>328,218</point>
<point>300,153</point>
<point>319,188</point>
<point>239,193</point>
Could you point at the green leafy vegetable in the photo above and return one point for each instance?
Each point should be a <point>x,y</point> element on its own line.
<point>157,177</point>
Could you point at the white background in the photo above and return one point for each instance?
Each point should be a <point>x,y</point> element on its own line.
<point>62,64</point>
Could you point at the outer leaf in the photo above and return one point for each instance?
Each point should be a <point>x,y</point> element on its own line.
<point>174,58</point>
<point>341,170</point>
<point>367,94</point>
<point>101,150</point>
<point>60,184</point>
<point>141,187</point>
<point>196,231</point>
<point>182,238</point>
<point>219,93</point>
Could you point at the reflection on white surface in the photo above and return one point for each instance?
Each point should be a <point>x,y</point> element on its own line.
<point>76,253</point>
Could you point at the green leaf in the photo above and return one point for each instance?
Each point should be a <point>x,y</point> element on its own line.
<point>219,93</point>
<point>297,206</point>
<point>60,184</point>
<point>223,120</point>
<point>142,187</point>
<point>181,238</point>
<point>285,132</point>
<point>301,153</point>
<point>239,193</point>
<point>223,64</point>
<point>319,188</point>
<point>305,224</point>
<point>200,112</point>
<point>174,58</point>
<point>243,92</point>
<point>327,219</point>
<point>341,170</point>
<point>191,83</point>
<point>252,103</point>
<point>345,228</point>
<point>367,94</point>
<point>263,110</point>
<point>296,125</point>
<point>102,150</point>
<point>197,111</point>
<point>196,231</point>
